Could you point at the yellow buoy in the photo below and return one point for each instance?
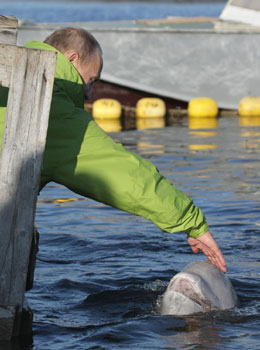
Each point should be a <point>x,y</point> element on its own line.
<point>201,107</point>
<point>249,106</point>
<point>150,113</point>
<point>107,113</point>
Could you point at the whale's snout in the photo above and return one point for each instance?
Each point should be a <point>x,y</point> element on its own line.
<point>199,287</point>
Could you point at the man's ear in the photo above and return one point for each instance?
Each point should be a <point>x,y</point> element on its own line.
<point>72,56</point>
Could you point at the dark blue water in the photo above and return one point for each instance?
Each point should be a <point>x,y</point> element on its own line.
<point>78,11</point>
<point>100,271</point>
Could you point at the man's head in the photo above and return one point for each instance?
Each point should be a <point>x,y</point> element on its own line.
<point>82,50</point>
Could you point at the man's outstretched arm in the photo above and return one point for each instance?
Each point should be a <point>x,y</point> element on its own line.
<point>94,166</point>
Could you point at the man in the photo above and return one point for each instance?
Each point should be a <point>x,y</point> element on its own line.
<point>82,157</point>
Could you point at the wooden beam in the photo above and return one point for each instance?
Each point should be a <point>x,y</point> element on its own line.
<point>6,64</point>
<point>7,317</point>
<point>23,144</point>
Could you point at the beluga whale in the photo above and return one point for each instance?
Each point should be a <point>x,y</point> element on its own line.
<point>199,287</point>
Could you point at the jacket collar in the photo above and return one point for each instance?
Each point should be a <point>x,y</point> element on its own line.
<point>67,77</point>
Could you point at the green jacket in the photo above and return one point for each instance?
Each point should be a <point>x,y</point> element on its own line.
<point>82,157</point>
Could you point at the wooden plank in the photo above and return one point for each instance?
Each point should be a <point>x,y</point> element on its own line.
<point>7,316</point>
<point>23,145</point>
<point>7,55</point>
<point>8,30</point>
<point>8,21</point>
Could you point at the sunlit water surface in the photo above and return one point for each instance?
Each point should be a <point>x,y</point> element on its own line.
<point>100,271</point>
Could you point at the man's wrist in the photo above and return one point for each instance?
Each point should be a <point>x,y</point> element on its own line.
<point>197,232</point>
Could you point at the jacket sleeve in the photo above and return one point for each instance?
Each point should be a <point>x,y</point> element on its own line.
<point>82,157</point>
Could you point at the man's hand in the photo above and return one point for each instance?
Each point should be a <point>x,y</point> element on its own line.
<point>207,244</point>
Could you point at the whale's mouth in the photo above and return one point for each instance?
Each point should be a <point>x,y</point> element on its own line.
<point>175,303</point>
<point>188,288</point>
<point>185,287</point>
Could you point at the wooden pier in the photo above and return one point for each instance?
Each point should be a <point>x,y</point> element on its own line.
<point>29,75</point>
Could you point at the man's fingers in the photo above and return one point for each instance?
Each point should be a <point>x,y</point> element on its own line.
<point>208,240</point>
<point>215,258</point>
<point>220,257</point>
<point>209,247</point>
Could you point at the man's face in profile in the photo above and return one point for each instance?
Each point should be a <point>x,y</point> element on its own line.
<point>90,72</point>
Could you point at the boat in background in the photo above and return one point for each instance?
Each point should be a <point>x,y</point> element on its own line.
<point>175,58</point>
<point>242,11</point>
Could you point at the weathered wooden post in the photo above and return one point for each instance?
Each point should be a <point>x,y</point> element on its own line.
<point>29,74</point>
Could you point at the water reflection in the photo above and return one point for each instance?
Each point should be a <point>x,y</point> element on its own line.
<point>199,330</point>
<point>250,137</point>
<point>203,123</point>
<point>201,128</point>
<point>250,121</point>
<point>251,146</point>
<point>145,147</point>
<point>202,147</point>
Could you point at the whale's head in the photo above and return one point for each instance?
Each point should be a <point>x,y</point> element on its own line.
<point>199,287</point>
